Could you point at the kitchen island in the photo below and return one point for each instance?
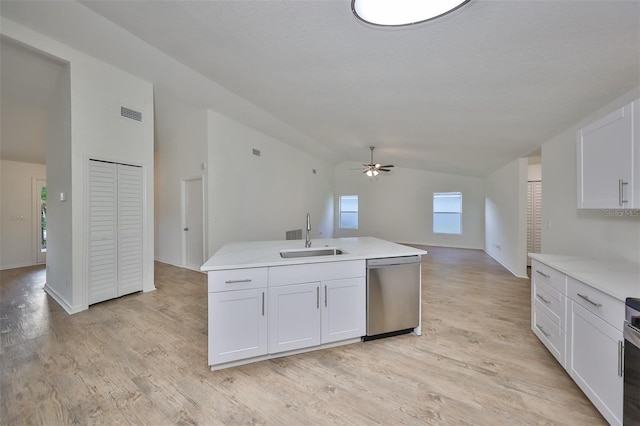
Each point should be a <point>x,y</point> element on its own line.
<point>263,305</point>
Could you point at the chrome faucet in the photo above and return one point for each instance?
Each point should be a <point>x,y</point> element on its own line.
<point>307,242</point>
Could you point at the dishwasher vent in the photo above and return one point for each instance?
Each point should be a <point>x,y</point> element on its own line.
<point>296,234</point>
<point>130,114</point>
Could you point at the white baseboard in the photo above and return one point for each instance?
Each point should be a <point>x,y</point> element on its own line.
<point>505,266</point>
<point>70,309</point>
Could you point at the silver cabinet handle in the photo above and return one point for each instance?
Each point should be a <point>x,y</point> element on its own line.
<point>620,358</point>
<point>596,304</point>
<point>543,274</point>
<point>539,327</point>
<point>325,296</point>
<point>621,184</point>
<point>246,280</point>
<point>539,296</point>
<point>318,297</point>
<point>263,303</point>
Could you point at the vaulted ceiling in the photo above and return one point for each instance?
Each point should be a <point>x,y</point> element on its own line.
<point>466,93</point>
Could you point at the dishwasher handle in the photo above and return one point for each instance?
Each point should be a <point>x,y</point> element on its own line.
<point>391,261</point>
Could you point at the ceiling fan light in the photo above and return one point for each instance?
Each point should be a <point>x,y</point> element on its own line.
<point>370,173</point>
<point>396,13</point>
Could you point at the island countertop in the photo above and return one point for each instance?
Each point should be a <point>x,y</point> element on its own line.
<point>267,253</point>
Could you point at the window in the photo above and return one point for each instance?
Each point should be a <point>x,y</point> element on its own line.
<point>447,213</point>
<point>348,212</point>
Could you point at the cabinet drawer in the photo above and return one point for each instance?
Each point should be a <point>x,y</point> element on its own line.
<point>237,279</point>
<point>544,274</point>
<point>608,308</point>
<point>551,302</point>
<point>312,272</point>
<point>549,334</point>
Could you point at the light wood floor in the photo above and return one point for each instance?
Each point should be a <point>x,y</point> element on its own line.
<point>142,359</point>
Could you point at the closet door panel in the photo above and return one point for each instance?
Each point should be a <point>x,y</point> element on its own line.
<point>102,212</point>
<point>130,205</point>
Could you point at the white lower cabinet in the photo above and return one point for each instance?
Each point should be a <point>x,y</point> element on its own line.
<point>343,310</point>
<point>294,317</point>
<point>237,325</point>
<point>582,327</point>
<point>595,361</point>
<point>258,313</point>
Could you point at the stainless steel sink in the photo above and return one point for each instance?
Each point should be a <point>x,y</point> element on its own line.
<point>309,252</point>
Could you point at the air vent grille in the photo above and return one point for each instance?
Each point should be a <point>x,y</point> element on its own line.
<point>296,234</point>
<point>130,114</point>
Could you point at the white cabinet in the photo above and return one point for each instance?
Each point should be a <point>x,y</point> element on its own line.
<point>595,356</point>
<point>237,317</point>
<point>343,310</point>
<point>260,313</point>
<point>582,327</point>
<point>237,325</point>
<point>548,308</point>
<point>609,161</point>
<point>315,304</point>
<point>594,347</point>
<point>294,318</point>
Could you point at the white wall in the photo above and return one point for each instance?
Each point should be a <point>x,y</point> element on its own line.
<point>567,230</point>
<point>97,90</point>
<point>534,172</point>
<point>505,216</point>
<point>59,180</point>
<point>181,147</point>
<point>398,206</point>
<point>17,213</point>
<point>254,198</point>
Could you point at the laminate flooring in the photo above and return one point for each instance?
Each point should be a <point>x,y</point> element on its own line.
<point>142,359</point>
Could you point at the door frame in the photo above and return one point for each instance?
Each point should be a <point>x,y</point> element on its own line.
<point>35,238</point>
<point>183,219</point>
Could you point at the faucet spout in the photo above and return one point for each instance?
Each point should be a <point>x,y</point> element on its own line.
<point>307,242</point>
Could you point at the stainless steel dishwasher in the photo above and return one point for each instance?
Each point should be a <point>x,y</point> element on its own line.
<point>393,296</point>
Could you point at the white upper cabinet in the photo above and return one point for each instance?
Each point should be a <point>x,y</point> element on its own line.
<point>609,161</point>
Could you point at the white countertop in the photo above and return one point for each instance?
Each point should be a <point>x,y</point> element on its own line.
<point>617,278</point>
<point>267,253</point>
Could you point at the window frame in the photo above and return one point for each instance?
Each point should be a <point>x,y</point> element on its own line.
<point>458,213</point>
<point>341,211</point>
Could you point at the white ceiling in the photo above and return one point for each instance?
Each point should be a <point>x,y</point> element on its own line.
<point>465,94</point>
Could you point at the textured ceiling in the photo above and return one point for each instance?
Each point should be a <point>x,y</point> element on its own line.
<point>465,94</point>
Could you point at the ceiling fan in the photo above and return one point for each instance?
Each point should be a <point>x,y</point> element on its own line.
<point>372,169</point>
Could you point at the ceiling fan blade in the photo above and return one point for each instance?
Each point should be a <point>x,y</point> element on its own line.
<point>384,170</point>
<point>387,166</point>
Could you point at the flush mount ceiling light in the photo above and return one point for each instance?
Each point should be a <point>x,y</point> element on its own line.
<point>398,13</point>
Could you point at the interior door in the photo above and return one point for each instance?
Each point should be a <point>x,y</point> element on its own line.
<point>193,253</point>
<point>103,222</point>
<point>40,197</point>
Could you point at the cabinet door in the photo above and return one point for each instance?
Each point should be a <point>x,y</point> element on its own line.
<point>343,310</point>
<point>605,156</point>
<point>595,361</point>
<point>294,317</point>
<point>237,325</point>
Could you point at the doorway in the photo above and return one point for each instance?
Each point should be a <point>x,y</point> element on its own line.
<point>193,223</point>
<point>40,219</point>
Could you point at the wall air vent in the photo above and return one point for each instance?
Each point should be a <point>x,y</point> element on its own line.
<point>130,114</point>
<point>296,234</point>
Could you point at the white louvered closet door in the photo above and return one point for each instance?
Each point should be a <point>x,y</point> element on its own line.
<point>534,217</point>
<point>130,198</point>
<point>103,223</point>
<point>115,230</point>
